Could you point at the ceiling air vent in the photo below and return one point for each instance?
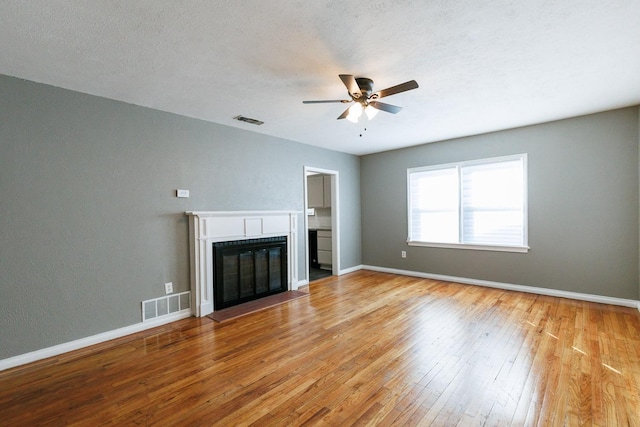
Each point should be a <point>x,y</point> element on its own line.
<point>248,120</point>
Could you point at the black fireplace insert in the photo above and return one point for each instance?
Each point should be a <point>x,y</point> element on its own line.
<point>245,270</point>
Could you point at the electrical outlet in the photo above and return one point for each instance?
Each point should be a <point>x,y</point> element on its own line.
<point>403,254</point>
<point>168,287</point>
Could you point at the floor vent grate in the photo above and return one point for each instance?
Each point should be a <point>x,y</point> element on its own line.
<point>164,306</point>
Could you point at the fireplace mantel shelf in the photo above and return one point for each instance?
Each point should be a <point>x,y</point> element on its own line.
<point>207,227</point>
<point>240,213</point>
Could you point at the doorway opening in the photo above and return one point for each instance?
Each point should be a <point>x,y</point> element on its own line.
<point>322,225</point>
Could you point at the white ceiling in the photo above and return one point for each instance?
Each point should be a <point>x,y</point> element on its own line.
<point>482,65</point>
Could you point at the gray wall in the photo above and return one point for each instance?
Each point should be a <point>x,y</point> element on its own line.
<point>583,206</point>
<point>89,220</point>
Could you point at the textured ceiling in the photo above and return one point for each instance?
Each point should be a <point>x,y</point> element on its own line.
<point>482,65</point>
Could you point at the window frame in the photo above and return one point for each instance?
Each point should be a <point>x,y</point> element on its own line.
<point>524,248</point>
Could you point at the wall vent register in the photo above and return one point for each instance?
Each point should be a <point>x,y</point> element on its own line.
<point>249,120</point>
<point>166,305</point>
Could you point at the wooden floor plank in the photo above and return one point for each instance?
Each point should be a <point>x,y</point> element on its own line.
<point>366,348</point>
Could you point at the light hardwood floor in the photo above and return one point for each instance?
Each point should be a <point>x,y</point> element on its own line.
<point>363,349</point>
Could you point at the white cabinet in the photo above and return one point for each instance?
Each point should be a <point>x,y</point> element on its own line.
<point>324,248</point>
<point>319,191</point>
<point>326,186</point>
<point>324,240</point>
<point>324,258</point>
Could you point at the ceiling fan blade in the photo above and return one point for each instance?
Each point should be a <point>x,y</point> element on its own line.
<point>403,87</point>
<point>351,84</point>
<point>327,101</point>
<point>385,107</point>
<point>344,115</point>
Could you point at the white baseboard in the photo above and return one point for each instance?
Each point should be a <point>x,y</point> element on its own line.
<point>350,270</point>
<point>301,283</point>
<point>340,273</point>
<point>44,353</point>
<point>55,350</point>
<point>511,287</point>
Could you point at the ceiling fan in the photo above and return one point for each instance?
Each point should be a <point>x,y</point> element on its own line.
<point>361,92</point>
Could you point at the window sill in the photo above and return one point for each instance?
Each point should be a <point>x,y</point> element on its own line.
<point>517,249</point>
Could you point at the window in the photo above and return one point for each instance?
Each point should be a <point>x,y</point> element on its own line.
<point>478,204</point>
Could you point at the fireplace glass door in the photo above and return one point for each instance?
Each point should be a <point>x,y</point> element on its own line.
<point>245,270</point>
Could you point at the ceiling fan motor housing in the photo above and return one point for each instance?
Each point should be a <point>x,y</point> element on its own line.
<point>366,87</point>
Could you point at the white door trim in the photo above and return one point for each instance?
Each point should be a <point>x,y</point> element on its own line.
<point>335,218</point>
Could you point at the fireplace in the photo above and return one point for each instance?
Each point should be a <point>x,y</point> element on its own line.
<point>211,231</point>
<point>245,270</point>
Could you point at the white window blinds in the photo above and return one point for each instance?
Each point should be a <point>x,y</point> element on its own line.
<point>479,203</point>
<point>434,205</point>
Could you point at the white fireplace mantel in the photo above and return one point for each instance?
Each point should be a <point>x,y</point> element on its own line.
<point>207,227</point>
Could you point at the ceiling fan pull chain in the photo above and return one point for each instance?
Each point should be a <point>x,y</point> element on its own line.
<point>362,130</point>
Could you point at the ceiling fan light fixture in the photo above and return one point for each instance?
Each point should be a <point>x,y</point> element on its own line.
<point>370,112</point>
<point>355,111</point>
